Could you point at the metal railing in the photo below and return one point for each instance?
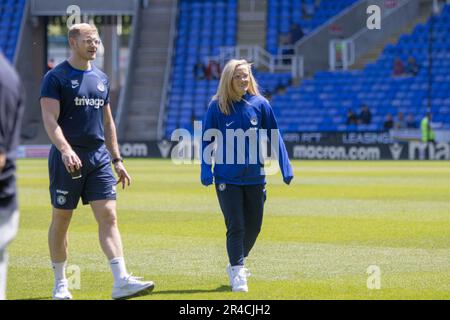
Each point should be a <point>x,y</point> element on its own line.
<point>254,54</point>
<point>314,45</point>
<point>263,59</point>
<point>341,54</point>
<point>363,41</point>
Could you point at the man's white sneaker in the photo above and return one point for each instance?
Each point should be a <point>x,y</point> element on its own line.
<point>61,290</point>
<point>132,287</point>
<point>239,279</point>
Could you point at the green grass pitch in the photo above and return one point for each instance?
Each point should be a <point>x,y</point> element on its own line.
<point>319,235</point>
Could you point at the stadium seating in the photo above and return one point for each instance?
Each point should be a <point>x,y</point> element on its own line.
<point>11,12</point>
<point>206,25</point>
<point>321,104</point>
<point>203,26</point>
<point>269,83</point>
<point>281,14</point>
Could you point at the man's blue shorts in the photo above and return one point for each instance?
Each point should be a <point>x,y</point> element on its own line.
<point>96,183</point>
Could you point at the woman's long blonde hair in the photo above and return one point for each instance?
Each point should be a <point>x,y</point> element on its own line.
<point>225,94</point>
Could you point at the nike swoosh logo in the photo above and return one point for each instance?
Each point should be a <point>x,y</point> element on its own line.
<point>229,124</point>
<point>74,86</point>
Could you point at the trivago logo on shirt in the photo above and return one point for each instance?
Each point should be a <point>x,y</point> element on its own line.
<point>83,101</point>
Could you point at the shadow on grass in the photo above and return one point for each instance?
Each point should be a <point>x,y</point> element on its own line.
<point>38,298</point>
<point>218,289</point>
<point>222,288</point>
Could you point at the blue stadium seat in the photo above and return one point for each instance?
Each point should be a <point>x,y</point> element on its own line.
<point>10,19</point>
<point>321,103</point>
<point>281,15</point>
<point>203,26</point>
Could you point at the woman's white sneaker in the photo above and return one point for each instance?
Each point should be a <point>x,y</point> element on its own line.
<point>239,276</point>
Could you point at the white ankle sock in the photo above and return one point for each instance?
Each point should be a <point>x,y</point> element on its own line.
<point>59,269</point>
<point>118,269</point>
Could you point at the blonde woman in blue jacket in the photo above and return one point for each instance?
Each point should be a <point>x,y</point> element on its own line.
<point>239,110</point>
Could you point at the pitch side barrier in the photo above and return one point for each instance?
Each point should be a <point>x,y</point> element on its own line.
<point>306,146</point>
<point>305,151</point>
<point>317,146</point>
<point>396,151</point>
<point>361,146</point>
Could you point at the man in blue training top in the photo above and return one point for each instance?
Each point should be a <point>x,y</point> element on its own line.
<point>78,120</point>
<point>11,111</point>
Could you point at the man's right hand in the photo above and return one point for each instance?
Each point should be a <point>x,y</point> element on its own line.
<point>71,160</point>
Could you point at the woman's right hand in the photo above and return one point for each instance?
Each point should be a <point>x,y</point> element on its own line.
<point>288,179</point>
<point>207,178</point>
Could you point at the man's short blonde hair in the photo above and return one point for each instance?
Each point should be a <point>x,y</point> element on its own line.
<point>76,29</point>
